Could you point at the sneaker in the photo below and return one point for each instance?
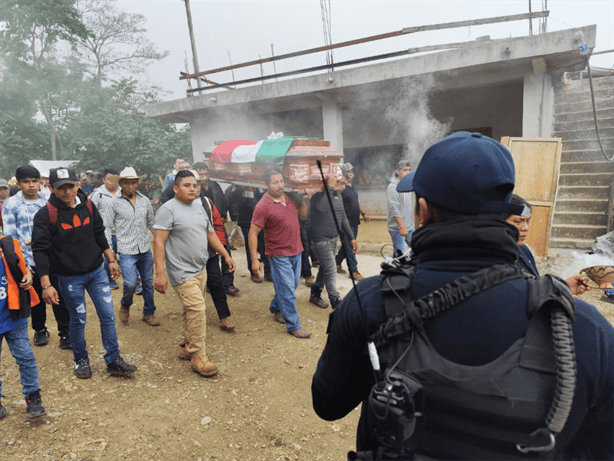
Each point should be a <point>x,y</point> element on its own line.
<point>35,405</point>
<point>82,368</point>
<point>340,269</point>
<point>65,343</point>
<point>225,324</point>
<point>607,298</point>
<point>356,276</point>
<point>41,337</point>
<point>119,368</point>
<point>278,317</point>
<point>268,277</point>
<point>318,301</point>
<point>114,286</point>
<point>232,290</point>
<point>124,314</point>
<point>309,281</point>
<point>202,366</point>
<point>257,279</point>
<point>139,288</point>
<point>3,411</point>
<point>300,333</point>
<point>151,320</point>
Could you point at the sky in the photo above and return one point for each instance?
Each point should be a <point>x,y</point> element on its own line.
<point>245,30</point>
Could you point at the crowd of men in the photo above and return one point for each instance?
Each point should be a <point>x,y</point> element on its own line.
<point>459,350</point>
<point>71,242</point>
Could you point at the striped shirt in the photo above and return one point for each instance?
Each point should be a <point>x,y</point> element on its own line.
<point>129,223</point>
<point>101,197</point>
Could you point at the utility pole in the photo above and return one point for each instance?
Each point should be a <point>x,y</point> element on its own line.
<point>191,29</point>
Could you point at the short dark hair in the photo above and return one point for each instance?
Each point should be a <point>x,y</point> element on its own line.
<point>183,174</point>
<point>107,171</point>
<point>269,173</point>
<point>26,171</point>
<point>518,200</point>
<point>200,166</point>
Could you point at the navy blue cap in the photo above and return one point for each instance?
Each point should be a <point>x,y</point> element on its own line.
<point>465,173</point>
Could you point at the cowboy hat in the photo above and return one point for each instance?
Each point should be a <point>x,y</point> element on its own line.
<point>126,173</point>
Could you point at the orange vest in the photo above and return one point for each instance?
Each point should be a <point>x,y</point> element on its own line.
<point>12,287</point>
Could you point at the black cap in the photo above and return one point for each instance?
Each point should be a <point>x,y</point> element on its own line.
<point>60,176</point>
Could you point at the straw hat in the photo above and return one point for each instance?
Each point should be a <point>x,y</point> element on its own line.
<point>126,173</point>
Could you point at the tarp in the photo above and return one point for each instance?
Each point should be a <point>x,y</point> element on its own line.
<point>274,150</point>
<point>43,166</point>
<point>223,152</point>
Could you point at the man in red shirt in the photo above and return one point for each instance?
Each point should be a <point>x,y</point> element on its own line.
<point>278,215</point>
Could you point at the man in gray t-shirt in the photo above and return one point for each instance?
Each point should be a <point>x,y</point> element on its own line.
<point>182,233</point>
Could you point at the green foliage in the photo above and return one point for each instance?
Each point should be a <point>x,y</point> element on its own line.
<point>113,135</point>
<point>49,96</point>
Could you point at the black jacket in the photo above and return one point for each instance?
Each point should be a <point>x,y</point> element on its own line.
<point>74,246</point>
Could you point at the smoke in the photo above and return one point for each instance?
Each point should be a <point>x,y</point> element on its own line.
<point>411,116</point>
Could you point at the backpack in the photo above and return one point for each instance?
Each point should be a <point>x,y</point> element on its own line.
<point>12,261</point>
<point>53,212</point>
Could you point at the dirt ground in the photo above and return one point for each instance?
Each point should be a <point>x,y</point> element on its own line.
<point>257,408</point>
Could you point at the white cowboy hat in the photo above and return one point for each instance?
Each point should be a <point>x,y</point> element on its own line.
<point>126,173</point>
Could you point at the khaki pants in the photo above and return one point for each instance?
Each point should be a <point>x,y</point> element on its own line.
<point>194,331</point>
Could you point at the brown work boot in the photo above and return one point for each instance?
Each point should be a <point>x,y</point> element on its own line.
<point>309,281</point>
<point>124,314</point>
<point>202,366</point>
<point>225,324</point>
<point>183,352</point>
<point>340,269</point>
<point>278,317</point>
<point>300,333</point>
<point>151,320</point>
<point>356,276</point>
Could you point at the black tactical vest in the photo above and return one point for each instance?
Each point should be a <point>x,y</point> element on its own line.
<point>510,408</point>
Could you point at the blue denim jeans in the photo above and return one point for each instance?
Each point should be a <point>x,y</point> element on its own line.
<point>609,292</point>
<point>132,266</point>
<point>286,272</point>
<point>346,252</point>
<point>398,241</point>
<point>97,285</point>
<point>21,350</point>
<point>327,272</point>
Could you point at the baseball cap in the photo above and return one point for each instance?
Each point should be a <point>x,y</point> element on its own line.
<point>60,176</point>
<point>4,183</point>
<point>403,164</point>
<point>465,173</point>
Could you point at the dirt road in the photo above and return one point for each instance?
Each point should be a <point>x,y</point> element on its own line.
<point>257,408</point>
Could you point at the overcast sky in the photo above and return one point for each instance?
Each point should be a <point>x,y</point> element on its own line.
<point>246,30</point>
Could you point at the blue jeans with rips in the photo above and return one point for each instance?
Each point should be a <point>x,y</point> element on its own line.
<point>327,272</point>
<point>346,252</point>
<point>97,285</point>
<point>132,266</point>
<point>398,241</point>
<point>286,272</point>
<point>21,350</point>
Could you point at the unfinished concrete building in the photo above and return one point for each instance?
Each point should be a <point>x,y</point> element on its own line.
<point>379,113</point>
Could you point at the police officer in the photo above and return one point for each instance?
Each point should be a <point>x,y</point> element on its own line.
<point>463,187</point>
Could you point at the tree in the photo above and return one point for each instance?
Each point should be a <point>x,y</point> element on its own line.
<point>30,34</point>
<point>109,133</point>
<point>117,43</point>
